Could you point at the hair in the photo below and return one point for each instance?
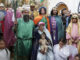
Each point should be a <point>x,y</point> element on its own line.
<point>41,9</point>
<point>1,36</point>
<point>78,55</point>
<point>53,13</point>
<point>43,34</point>
<point>63,40</point>
<point>62,11</point>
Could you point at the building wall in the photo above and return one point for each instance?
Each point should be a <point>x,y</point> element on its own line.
<point>71,4</point>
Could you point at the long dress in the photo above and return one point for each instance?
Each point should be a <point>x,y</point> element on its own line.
<point>54,29</point>
<point>36,55</point>
<point>9,36</point>
<point>74,33</point>
<point>60,27</point>
<point>23,45</point>
<point>4,54</point>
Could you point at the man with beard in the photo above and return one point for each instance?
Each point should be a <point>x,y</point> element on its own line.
<point>56,26</point>
<point>23,45</point>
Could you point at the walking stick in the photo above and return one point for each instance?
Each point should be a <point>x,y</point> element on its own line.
<point>14,7</point>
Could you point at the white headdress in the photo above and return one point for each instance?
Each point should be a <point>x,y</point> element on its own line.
<point>1,4</point>
<point>26,7</point>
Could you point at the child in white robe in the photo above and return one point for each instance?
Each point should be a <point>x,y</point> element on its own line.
<point>4,52</point>
<point>63,51</point>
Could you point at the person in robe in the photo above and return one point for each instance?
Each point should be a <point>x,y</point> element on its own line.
<point>68,18</point>
<point>2,17</point>
<point>62,51</point>
<point>42,18</point>
<point>23,45</point>
<point>73,32</point>
<point>33,11</point>
<point>56,26</point>
<point>4,52</point>
<point>9,37</point>
<point>77,57</point>
<point>36,54</point>
<point>63,13</point>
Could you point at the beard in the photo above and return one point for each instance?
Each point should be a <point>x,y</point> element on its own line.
<point>26,18</point>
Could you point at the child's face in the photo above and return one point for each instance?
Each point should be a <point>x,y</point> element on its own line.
<point>61,44</point>
<point>77,58</point>
<point>43,36</point>
<point>74,20</point>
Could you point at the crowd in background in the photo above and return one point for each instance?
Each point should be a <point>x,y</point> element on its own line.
<point>28,34</point>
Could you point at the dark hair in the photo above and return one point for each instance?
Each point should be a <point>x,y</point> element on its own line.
<point>1,36</point>
<point>62,11</point>
<point>78,55</point>
<point>53,13</point>
<point>40,10</point>
<point>44,34</point>
<point>63,40</point>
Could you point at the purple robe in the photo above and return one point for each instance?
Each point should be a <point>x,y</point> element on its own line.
<point>54,30</point>
<point>9,36</point>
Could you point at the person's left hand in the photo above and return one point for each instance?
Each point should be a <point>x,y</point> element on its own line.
<point>77,41</point>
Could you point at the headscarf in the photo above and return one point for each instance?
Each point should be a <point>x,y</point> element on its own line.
<point>26,7</point>
<point>45,30</point>
<point>1,4</point>
<point>68,30</point>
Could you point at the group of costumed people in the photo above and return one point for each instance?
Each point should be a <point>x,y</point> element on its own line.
<point>38,38</point>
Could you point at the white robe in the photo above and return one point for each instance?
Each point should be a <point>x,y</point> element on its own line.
<point>4,54</point>
<point>49,55</point>
<point>61,54</point>
<point>65,52</point>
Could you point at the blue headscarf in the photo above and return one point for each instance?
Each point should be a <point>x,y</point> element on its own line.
<point>41,8</point>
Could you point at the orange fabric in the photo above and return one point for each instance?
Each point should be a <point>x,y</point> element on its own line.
<point>38,18</point>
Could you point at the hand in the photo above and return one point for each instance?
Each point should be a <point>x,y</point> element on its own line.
<point>77,41</point>
<point>72,40</point>
<point>15,22</point>
<point>42,51</point>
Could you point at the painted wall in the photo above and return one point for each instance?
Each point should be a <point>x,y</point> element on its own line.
<point>71,4</point>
